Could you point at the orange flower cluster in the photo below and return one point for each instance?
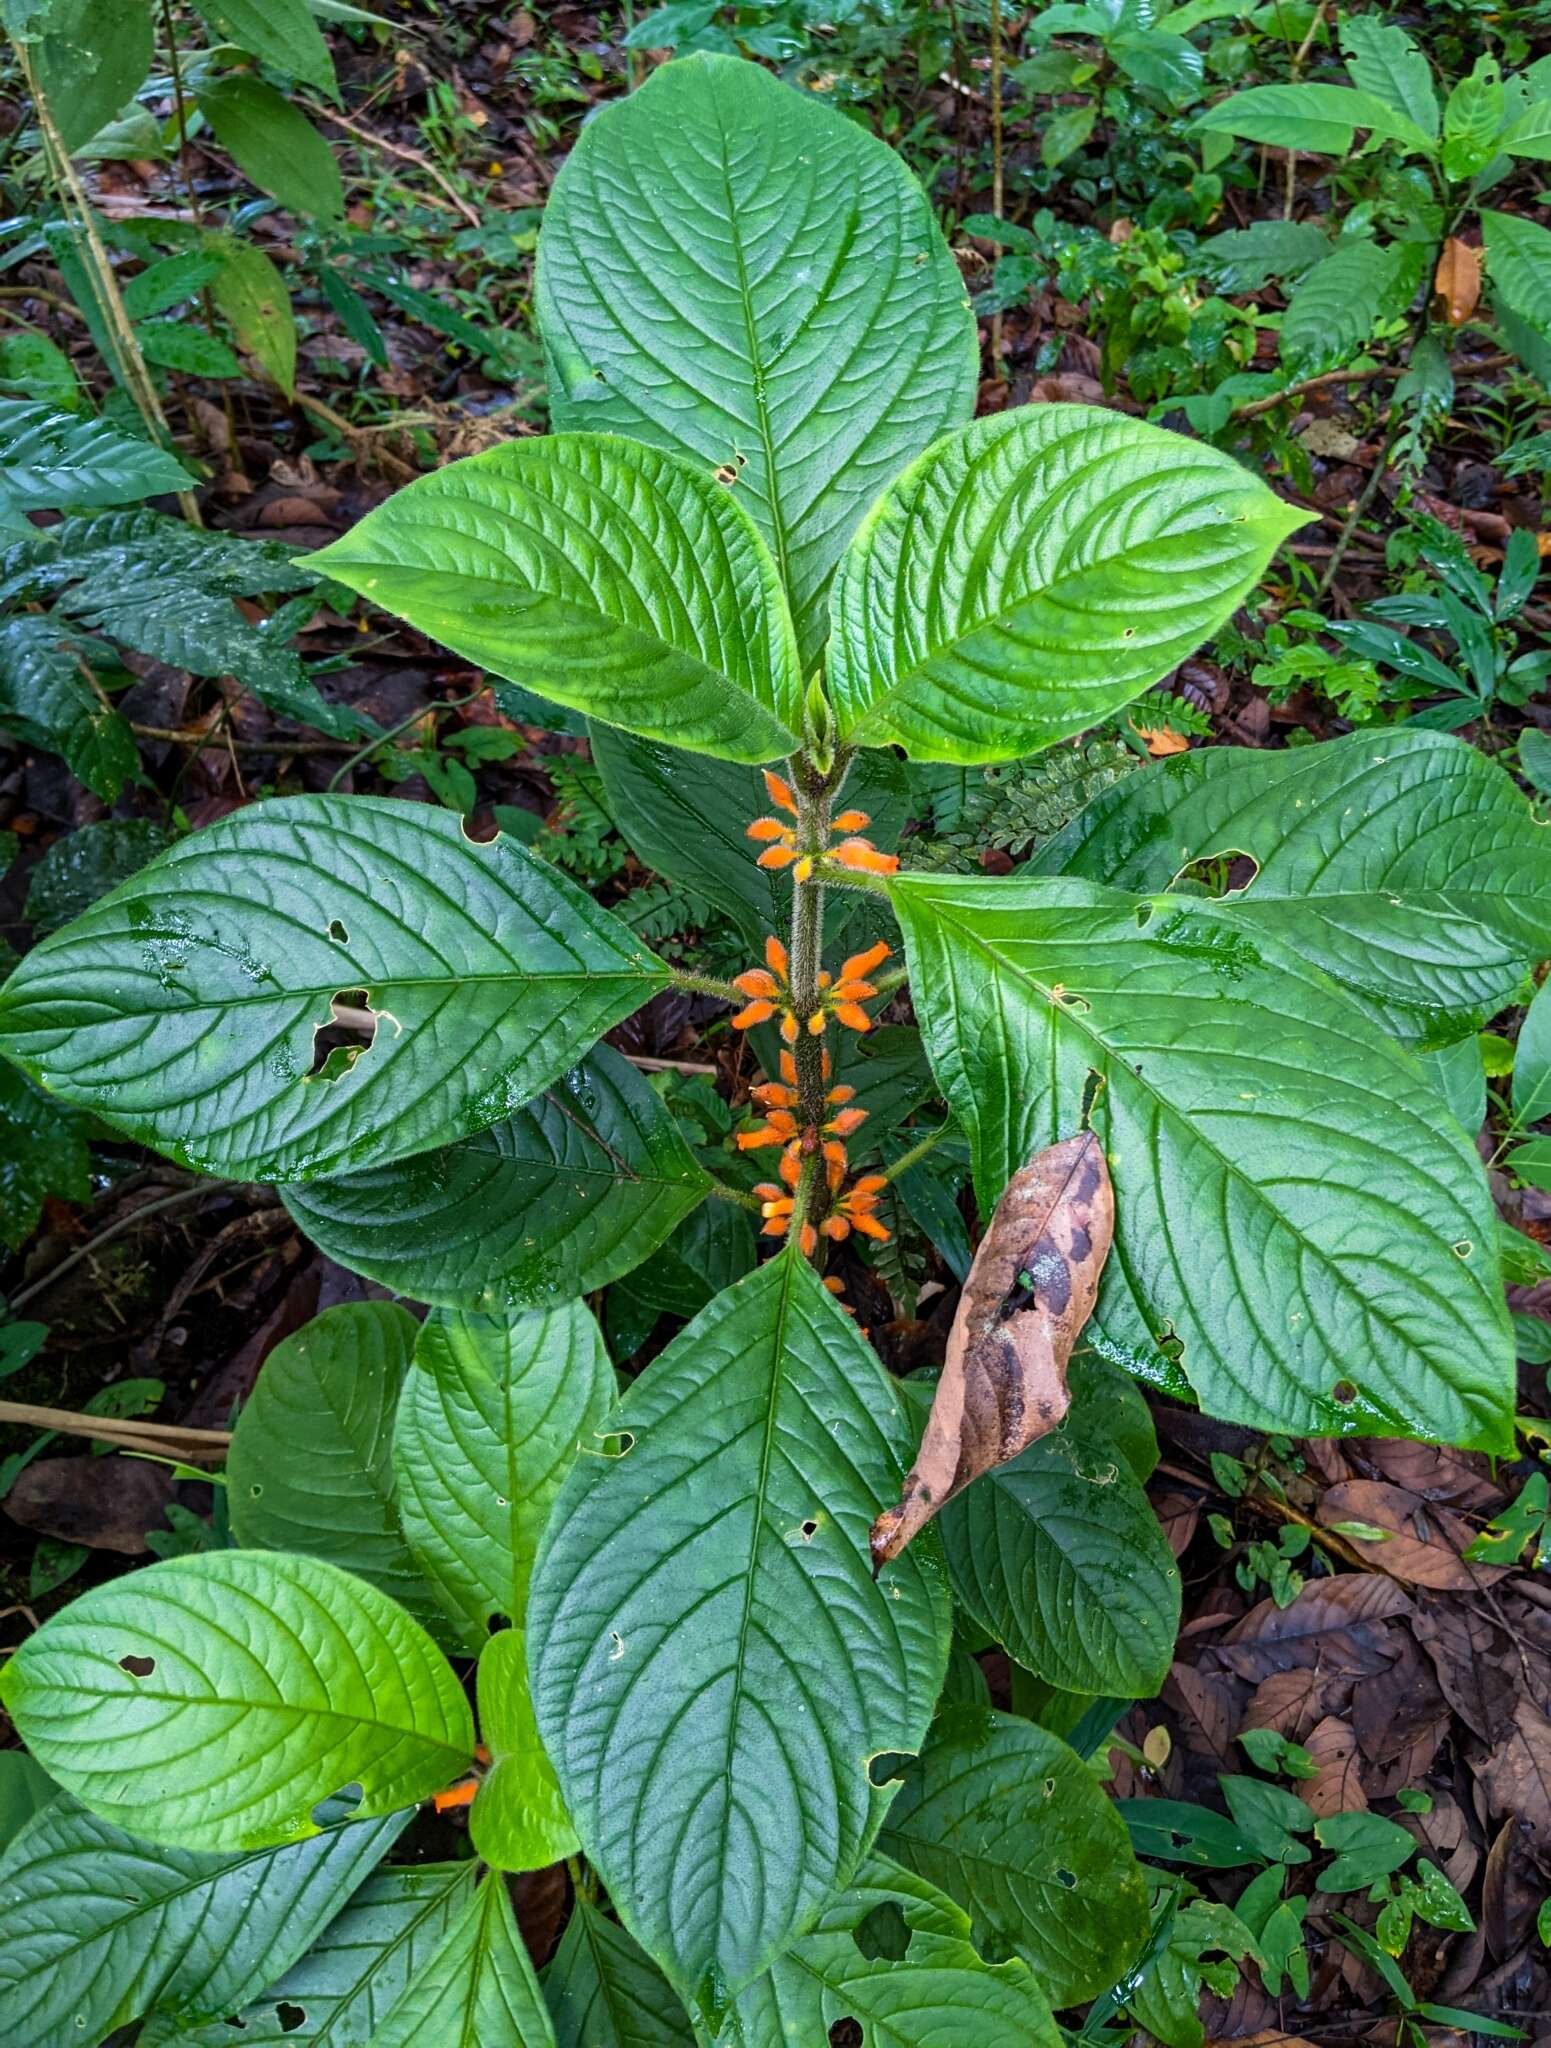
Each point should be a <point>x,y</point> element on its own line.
<point>850,1208</point>
<point>770,989</point>
<point>784,852</point>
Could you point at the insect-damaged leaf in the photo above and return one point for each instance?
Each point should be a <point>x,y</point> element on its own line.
<point>1031,1289</point>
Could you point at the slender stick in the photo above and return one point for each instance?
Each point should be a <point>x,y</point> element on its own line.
<point>66,1265</point>
<point>171,1437</point>
<point>996,160</point>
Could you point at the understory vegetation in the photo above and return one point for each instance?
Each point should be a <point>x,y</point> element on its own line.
<point>775,1066</point>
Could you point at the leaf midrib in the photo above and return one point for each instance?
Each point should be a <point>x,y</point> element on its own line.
<point>82,1690</point>
<point>380,983</point>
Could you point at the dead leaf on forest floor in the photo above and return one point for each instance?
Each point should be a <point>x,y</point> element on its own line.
<point>1425,1542</point>
<point>1029,1292</point>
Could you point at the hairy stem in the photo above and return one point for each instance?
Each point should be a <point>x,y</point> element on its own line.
<point>918,1151</point>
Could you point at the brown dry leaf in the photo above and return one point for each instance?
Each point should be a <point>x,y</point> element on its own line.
<point>1457,280</point>
<point>107,1503</point>
<point>1339,1626</point>
<point>1161,740</point>
<point>1207,1710</point>
<point>1030,1290</point>
<point>1338,1788</point>
<point>1426,1542</point>
<point>1516,1777</point>
<point>1292,1702</point>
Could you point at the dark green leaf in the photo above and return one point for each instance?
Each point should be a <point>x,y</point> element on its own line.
<point>274,144</point>
<point>706,1601</point>
<point>477,1989</point>
<point>46,700</point>
<point>91,62</point>
<point>280,33</point>
<point>50,458</point>
<point>42,1153</point>
<point>1012,1824</point>
<point>604,1991</point>
<point>84,865</point>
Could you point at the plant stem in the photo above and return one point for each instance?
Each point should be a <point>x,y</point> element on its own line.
<point>706,985</point>
<point>918,1151</point>
<point>130,366</point>
<point>723,1191</point>
<point>382,740</point>
<point>996,162</point>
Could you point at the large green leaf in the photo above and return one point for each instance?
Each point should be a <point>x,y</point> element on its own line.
<point>491,1417</point>
<point>311,1463</point>
<point>477,1990</point>
<point>568,1194</point>
<point>282,33</point>
<point>99,1927</point>
<point>604,1991</point>
<point>50,458</point>
<point>1385,63</point>
<point>1029,576</point>
<point>1313,117</point>
<point>215,1701</point>
<point>91,63</point>
<point>25,1789</point>
<point>357,1975</point>
<point>274,144</point>
<point>688,818</point>
<point>518,1820</point>
<point>893,1955</point>
<point>46,701</point>
<point>183,1007</point>
<point>1335,307</point>
<point>1518,255</point>
<point>610,577</point>
<point>85,864</point>
<point>1297,1212</point>
<point>711,1659</point>
<point>1012,1824</point>
<point>1408,867</point>
<point>740,276</point>
<point>1058,1555</point>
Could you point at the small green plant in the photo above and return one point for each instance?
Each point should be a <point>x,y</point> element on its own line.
<point>766,553</point>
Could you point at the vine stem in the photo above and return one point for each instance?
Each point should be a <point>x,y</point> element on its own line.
<point>918,1151</point>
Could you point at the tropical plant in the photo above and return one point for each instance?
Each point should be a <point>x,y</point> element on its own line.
<point>1437,161</point>
<point>709,1669</point>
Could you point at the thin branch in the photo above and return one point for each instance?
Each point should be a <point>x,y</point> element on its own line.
<point>171,1438</point>
<point>397,149</point>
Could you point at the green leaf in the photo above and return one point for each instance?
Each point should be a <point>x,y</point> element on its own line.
<point>50,458</point>
<point>42,1153</point>
<point>1270,1818</point>
<point>1034,573</point>
<point>570,1193</point>
<point>737,275</point>
<point>477,1989</point>
<point>1065,131</point>
<point>1165,1992</point>
<point>183,1006</point>
<point>1247,259</point>
<point>84,865</point>
<point>518,1820</point>
<point>1012,1824</point>
<point>711,1248</point>
<point>1296,1207</point>
<point>355,1977</point>
<point>100,1927</point>
<point>46,701</point>
<point>215,1701</point>
<point>1473,121</point>
<point>178,345</point>
<point>1530,134</point>
<point>280,33</point>
<point>25,1787</point>
<point>1385,63</point>
<point>1174,1831</point>
<point>1518,256</point>
<point>1337,305</point>
<point>1410,869</point>
<point>604,1991</point>
<point>274,145</point>
<point>1058,1555</point>
<point>616,580</point>
<point>489,1425</point>
<point>250,295</point>
<point>112,549</point>
<point>1532,1063</point>
<point>712,1661</point>
<point>1320,118</point>
<point>311,1462</point>
<point>171,282</point>
<point>91,62</point>
<point>1367,1847</point>
<point>893,1955</point>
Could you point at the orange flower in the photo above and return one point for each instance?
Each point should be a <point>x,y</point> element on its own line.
<point>780,840</point>
<point>861,853</point>
<point>854,1211</point>
<point>782,849</point>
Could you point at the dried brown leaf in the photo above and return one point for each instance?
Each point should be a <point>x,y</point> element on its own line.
<point>1457,280</point>
<point>1338,1787</point>
<point>1030,1290</point>
<point>1338,1625</point>
<point>1426,1541</point>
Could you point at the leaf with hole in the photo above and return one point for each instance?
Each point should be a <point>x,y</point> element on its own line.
<point>566,1195</point>
<point>737,275</point>
<point>1033,574</point>
<point>1298,1215</point>
<point>215,1701</point>
<point>619,581</point>
<point>311,1463</point>
<point>893,1955</point>
<point>100,1927</point>
<point>1012,1824</point>
<point>493,1412</point>
<point>184,1006</point>
<point>1411,870</point>
<point>712,1662</point>
<point>355,1978</point>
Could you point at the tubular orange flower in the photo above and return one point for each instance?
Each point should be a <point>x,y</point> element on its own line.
<point>851,821</point>
<point>854,1211</point>
<point>861,853</point>
<point>779,792</point>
